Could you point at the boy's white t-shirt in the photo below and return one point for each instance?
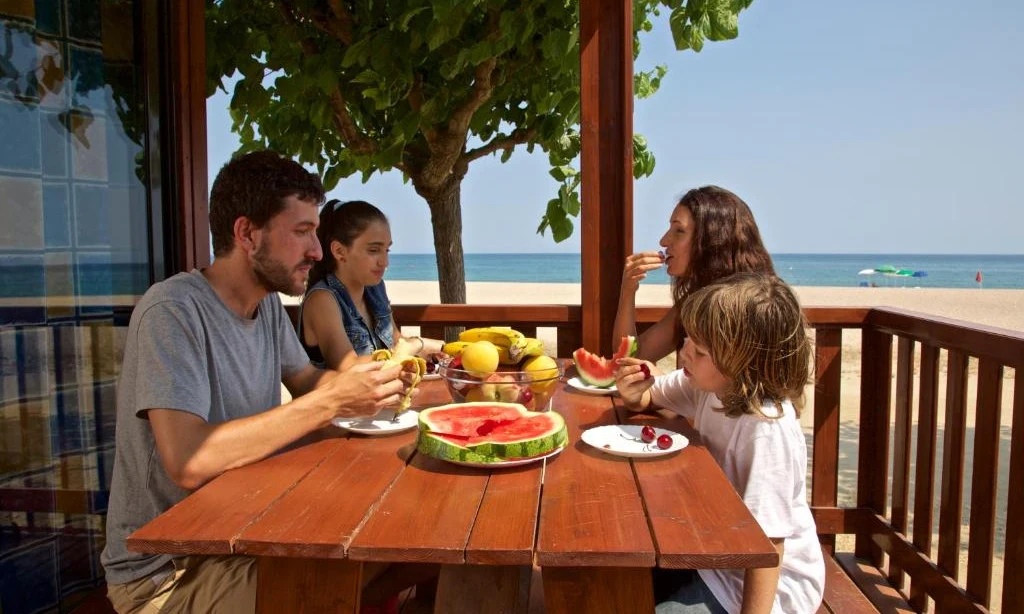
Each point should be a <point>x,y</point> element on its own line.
<point>765,459</point>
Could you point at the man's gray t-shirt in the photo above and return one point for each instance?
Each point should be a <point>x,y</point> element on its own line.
<point>186,351</point>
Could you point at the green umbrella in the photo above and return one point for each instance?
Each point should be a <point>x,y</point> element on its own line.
<point>886,268</point>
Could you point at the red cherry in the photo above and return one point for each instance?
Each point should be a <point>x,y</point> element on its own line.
<point>645,370</point>
<point>525,395</point>
<point>456,363</point>
<point>665,441</point>
<point>648,434</point>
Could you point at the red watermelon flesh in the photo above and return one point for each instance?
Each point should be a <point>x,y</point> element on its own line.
<point>470,418</point>
<point>599,371</point>
<point>489,432</point>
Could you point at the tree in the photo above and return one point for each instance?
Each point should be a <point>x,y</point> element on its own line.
<point>427,87</point>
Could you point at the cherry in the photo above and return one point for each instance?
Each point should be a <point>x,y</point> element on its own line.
<point>648,434</point>
<point>456,363</point>
<point>525,395</point>
<point>665,441</point>
<point>431,365</point>
<point>645,370</point>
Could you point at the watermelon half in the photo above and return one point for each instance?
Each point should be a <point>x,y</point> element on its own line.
<point>599,371</point>
<point>488,432</point>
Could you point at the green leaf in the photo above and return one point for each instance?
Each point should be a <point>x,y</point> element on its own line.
<point>403,21</point>
<point>724,20</point>
<point>358,53</point>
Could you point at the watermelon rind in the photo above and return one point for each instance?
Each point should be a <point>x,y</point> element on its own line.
<point>432,442</point>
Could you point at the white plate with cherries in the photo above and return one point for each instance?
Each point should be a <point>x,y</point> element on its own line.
<point>634,440</point>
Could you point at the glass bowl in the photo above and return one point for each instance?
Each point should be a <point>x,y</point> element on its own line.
<point>533,389</point>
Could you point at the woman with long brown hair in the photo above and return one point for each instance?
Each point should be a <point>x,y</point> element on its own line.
<point>712,234</point>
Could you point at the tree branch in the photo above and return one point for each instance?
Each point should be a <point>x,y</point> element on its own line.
<point>482,88</point>
<point>350,133</point>
<point>518,137</point>
<point>344,20</point>
<point>351,136</point>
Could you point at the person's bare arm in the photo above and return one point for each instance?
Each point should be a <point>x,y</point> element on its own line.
<point>306,380</point>
<point>760,585</point>
<point>635,270</point>
<point>194,451</point>
<point>658,341</point>
<point>323,326</point>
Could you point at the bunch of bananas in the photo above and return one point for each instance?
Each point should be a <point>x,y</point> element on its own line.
<point>512,346</point>
<point>414,364</point>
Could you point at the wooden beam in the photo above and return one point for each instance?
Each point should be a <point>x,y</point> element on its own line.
<point>606,129</point>
<point>187,194</point>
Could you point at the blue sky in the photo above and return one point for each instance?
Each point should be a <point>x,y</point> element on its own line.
<point>849,127</point>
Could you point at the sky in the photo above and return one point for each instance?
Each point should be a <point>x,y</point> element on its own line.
<point>878,126</point>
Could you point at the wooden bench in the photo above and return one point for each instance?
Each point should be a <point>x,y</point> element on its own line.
<point>848,584</point>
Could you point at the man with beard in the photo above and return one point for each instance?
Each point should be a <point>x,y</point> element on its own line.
<point>199,391</point>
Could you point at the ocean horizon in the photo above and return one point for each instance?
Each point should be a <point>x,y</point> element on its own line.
<point>843,270</point>
<point>935,270</point>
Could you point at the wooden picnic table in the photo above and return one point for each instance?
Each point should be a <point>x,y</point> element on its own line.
<point>594,523</point>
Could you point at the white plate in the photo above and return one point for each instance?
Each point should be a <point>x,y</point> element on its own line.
<point>624,440</point>
<point>510,463</point>
<point>430,377</point>
<point>380,424</point>
<point>582,386</point>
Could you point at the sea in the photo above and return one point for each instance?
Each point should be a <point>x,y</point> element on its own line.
<point>933,271</point>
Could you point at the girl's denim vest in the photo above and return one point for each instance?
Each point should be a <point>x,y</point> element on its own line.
<point>365,339</point>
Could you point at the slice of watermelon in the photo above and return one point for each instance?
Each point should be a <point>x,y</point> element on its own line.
<point>599,371</point>
<point>488,432</point>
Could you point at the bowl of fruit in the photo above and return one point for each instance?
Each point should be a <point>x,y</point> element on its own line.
<point>500,365</point>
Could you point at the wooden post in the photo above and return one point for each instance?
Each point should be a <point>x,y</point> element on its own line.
<point>185,193</point>
<point>606,105</point>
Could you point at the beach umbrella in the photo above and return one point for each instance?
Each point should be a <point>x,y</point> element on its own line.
<point>886,268</point>
<point>920,273</point>
<point>904,273</point>
<point>867,272</point>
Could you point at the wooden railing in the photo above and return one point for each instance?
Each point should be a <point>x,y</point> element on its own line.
<point>883,510</point>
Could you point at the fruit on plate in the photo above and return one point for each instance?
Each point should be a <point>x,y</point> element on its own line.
<point>480,358</point>
<point>599,371</point>
<point>648,434</point>
<point>489,432</point>
<point>413,364</point>
<point>664,441</point>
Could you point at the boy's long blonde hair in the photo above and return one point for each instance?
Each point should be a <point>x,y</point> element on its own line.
<point>754,331</point>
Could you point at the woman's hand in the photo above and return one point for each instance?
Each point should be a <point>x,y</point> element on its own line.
<point>636,269</point>
<point>633,379</point>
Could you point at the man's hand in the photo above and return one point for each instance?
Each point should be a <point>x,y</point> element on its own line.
<point>364,390</point>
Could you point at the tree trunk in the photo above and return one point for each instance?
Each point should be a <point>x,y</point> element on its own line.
<point>446,221</point>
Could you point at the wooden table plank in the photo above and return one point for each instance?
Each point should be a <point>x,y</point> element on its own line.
<point>506,524</point>
<point>209,520</point>
<point>426,517</point>
<point>591,513</point>
<point>318,517</point>
<point>697,518</point>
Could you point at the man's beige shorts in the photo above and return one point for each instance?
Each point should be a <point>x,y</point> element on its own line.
<point>222,584</point>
